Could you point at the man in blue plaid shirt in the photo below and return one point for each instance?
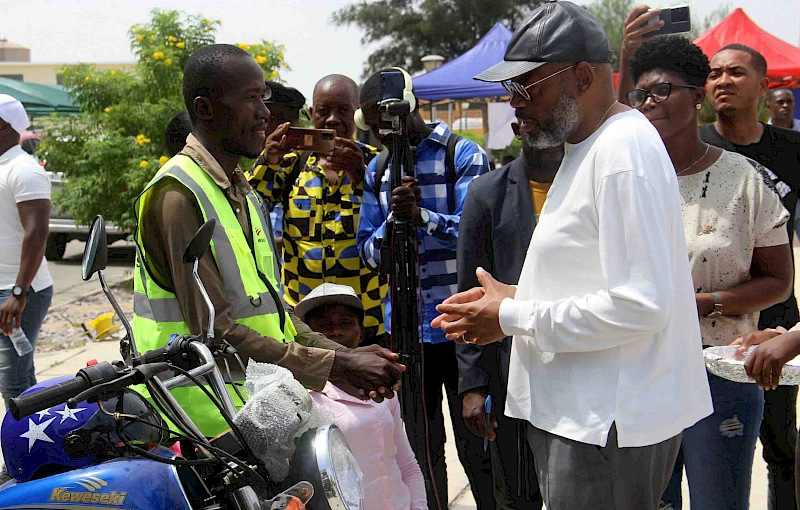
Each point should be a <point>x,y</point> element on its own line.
<point>433,199</point>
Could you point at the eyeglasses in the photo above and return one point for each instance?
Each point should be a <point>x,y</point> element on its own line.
<point>659,92</point>
<point>513,87</point>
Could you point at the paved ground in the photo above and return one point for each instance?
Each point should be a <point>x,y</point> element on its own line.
<point>67,282</point>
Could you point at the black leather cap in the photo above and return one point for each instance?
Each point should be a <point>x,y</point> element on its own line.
<point>557,31</point>
<point>281,94</point>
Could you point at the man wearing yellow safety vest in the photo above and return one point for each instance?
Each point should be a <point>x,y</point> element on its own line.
<point>224,92</point>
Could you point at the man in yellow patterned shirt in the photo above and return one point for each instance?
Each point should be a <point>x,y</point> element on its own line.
<point>321,199</point>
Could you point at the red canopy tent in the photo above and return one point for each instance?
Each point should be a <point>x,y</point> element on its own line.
<point>783,59</point>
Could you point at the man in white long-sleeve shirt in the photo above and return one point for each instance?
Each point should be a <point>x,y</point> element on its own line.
<point>607,362</point>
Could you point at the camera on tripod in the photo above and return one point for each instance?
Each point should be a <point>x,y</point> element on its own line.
<point>394,106</point>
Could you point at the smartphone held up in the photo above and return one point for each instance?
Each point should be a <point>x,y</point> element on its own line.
<point>322,141</point>
<point>677,20</point>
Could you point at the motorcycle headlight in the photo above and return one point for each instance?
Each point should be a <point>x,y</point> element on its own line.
<point>325,460</point>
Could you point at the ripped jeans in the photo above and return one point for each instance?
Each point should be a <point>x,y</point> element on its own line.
<point>718,451</point>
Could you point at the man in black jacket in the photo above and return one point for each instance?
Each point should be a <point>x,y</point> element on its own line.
<point>497,222</point>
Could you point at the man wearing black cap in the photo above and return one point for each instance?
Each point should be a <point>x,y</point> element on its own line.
<point>285,104</point>
<point>606,362</point>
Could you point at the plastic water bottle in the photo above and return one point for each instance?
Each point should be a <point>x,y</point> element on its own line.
<point>21,343</point>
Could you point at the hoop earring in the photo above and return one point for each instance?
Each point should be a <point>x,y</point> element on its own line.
<point>699,105</point>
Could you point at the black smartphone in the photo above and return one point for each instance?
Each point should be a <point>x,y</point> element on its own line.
<point>677,20</point>
<point>392,85</point>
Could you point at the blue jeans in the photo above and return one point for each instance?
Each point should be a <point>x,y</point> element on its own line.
<point>718,451</point>
<point>17,373</point>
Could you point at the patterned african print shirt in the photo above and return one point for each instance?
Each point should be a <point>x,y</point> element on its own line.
<point>320,221</point>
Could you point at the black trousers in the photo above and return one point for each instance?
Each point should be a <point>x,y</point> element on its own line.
<point>515,484</point>
<point>441,370</point>
<point>779,439</point>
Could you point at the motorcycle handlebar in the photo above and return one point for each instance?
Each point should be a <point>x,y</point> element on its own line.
<point>31,403</point>
<point>46,398</point>
<point>154,356</point>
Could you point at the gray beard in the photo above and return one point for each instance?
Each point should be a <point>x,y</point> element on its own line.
<point>567,118</point>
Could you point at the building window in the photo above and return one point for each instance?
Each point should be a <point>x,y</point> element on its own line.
<point>17,77</point>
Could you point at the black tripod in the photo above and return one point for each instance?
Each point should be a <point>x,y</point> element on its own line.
<point>404,284</point>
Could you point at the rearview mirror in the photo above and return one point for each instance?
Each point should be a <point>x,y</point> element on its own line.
<point>95,254</point>
<point>199,243</point>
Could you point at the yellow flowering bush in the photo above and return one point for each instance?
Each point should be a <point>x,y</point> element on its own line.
<point>113,148</point>
<point>269,56</point>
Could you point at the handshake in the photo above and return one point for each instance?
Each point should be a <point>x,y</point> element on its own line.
<point>367,372</point>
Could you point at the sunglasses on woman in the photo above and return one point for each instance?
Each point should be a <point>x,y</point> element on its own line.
<point>659,92</point>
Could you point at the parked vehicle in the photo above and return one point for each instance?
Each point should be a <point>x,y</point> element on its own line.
<point>64,229</point>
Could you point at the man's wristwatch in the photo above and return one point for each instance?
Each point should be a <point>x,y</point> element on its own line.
<point>425,215</point>
<point>717,307</point>
<point>17,291</point>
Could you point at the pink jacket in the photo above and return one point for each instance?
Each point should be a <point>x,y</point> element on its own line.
<point>375,432</point>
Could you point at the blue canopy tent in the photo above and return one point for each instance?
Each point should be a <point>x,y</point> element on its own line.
<point>453,80</point>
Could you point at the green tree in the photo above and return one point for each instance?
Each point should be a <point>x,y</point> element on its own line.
<point>112,149</point>
<point>611,14</point>
<point>407,30</point>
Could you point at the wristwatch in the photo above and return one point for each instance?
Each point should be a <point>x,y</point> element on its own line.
<point>425,215</point>
<point>16,291</point>
<point>717,307</point>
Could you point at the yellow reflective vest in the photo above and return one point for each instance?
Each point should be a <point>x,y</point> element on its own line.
<point>249,277</point>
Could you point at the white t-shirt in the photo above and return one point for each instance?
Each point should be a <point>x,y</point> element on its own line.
<point>21,179</point>
<point>728,210</point>
<point>604,320</point>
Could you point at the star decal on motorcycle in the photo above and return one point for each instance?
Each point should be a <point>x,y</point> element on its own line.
<point>36,433</point>
<point>44,413</point>
<point>68,413</point>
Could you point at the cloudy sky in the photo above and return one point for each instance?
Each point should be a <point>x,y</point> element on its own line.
<point>95,30</point>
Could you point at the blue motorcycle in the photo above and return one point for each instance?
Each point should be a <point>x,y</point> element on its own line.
<point>92,442</point>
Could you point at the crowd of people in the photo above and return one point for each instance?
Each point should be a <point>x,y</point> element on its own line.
<point>574,288</point>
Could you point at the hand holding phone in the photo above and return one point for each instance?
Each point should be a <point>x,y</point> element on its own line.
<point>275,147</point>
<point>636,26</point>
<point>673,20</point>
<point>347,157</point>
